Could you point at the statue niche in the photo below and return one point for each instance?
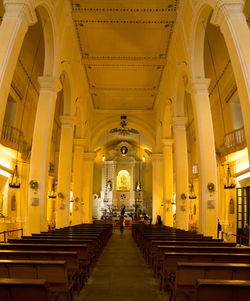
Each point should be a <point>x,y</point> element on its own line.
<point>123,181</point>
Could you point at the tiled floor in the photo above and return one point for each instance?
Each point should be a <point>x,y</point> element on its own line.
<point>121,274</point>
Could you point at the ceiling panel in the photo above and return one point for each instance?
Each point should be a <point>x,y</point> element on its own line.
<point>123,100</point>
<point>124,76</point>
<point>127,40</point>
<point>124,47</point>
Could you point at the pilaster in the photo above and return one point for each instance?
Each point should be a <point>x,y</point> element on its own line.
<point>182,201</point>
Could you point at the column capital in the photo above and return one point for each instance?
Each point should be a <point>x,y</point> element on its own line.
<point>156,157</point>
<point>49,83</point>
<point>90,156</point>
<point>80,142</point>
<point>179,121</point>
<point>67,120</point>
<point>167,142</point>
<point>198,85</point>
<point>20,8</point>
<point>223,8</point>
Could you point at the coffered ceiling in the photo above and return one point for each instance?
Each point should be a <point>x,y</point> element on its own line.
<point>124,47</point>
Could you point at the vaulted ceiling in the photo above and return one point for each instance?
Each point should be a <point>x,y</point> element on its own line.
<point>124,47</point>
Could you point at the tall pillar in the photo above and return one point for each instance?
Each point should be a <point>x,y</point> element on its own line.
<point>77,180</point>
<point>64,170</point>
<point>182,201</point>
<point>88,167</point>
<point>168,181</point>
<point>208,200</point>
<point>19,15</point>
<point>233,25</point>
<point>39,162</point>
<point>157,173</point>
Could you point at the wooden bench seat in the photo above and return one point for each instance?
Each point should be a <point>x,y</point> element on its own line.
<point>220,290</point>
<point>24,290</point>
<point>73,264</point>
<point>161,250</point>
<point>152,248</point>
<point>171,259</point>
<point>188,272</point>
<point>55,272</point>
<point>82,251</point>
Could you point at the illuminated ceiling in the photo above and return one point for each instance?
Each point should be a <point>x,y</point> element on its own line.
<point>124,47</point>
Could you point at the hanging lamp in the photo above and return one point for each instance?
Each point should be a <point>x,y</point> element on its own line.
<point>229,180</point>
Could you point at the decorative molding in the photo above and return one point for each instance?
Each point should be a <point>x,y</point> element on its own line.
<point>20,8</point>
<point>224,8</point>
<point>167,142</point>
<point>67,120</point>
<point>179,121</point>
<point>166,22</point>
<point>49,83</point>
<point>199,85</point>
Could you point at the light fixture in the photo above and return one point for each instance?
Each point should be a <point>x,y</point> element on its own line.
<point>229,180</point>
<point>143,158</point>
<point>192,195</point>
<point>103,158</point>
<point>52,192</point>
<point>14,179</point>
<point>123,130</point>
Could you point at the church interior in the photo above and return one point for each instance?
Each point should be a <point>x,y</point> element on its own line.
<point>139,112</point>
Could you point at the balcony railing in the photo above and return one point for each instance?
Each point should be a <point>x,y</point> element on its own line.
<point>234,141</point>
<point>13,138</point>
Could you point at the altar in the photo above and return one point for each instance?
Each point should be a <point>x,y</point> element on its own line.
<point>121,183</point>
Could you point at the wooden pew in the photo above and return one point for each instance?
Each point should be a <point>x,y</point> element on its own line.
<point>171,259</point>
<point>187,273</point>
<point>161,250</point>
<point>220,290</point>
<point>82,251</point>
<point>24,290</point>
<point>71,258</point>
<point>152,248</point>
<point>55,272</point>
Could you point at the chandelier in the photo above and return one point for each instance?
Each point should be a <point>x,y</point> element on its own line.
<point>123,130</point>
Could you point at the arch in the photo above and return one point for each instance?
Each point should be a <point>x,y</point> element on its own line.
<point>201,16</point>
<point>138,124</point>
<point>47,13</point>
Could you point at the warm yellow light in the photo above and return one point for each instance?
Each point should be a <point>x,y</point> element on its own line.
<point>71,206</point>
<point>9,152</point>
<point>4,173</point>
<point>143,158</point>
<point>244,176</point>
<point>103,158</point>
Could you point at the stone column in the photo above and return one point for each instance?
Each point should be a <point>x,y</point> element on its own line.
<point>208,200</point>
<point>182,203</point>
<point>168,181</point>
<point>88,167</point>
<point>233,25</point>
<point>19,15</point>
<point>64,170</point>
<point>157,173</point>
<point>77,180</point>
<point>40,155</point>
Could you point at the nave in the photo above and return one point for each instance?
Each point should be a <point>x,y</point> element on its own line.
<point>121,274</point>
<point>148,262</point>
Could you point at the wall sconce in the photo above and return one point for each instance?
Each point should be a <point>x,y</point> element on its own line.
<point>33,184</point>
<point>183,196</point>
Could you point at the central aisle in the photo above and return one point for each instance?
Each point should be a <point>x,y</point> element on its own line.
<point>121,274</point>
